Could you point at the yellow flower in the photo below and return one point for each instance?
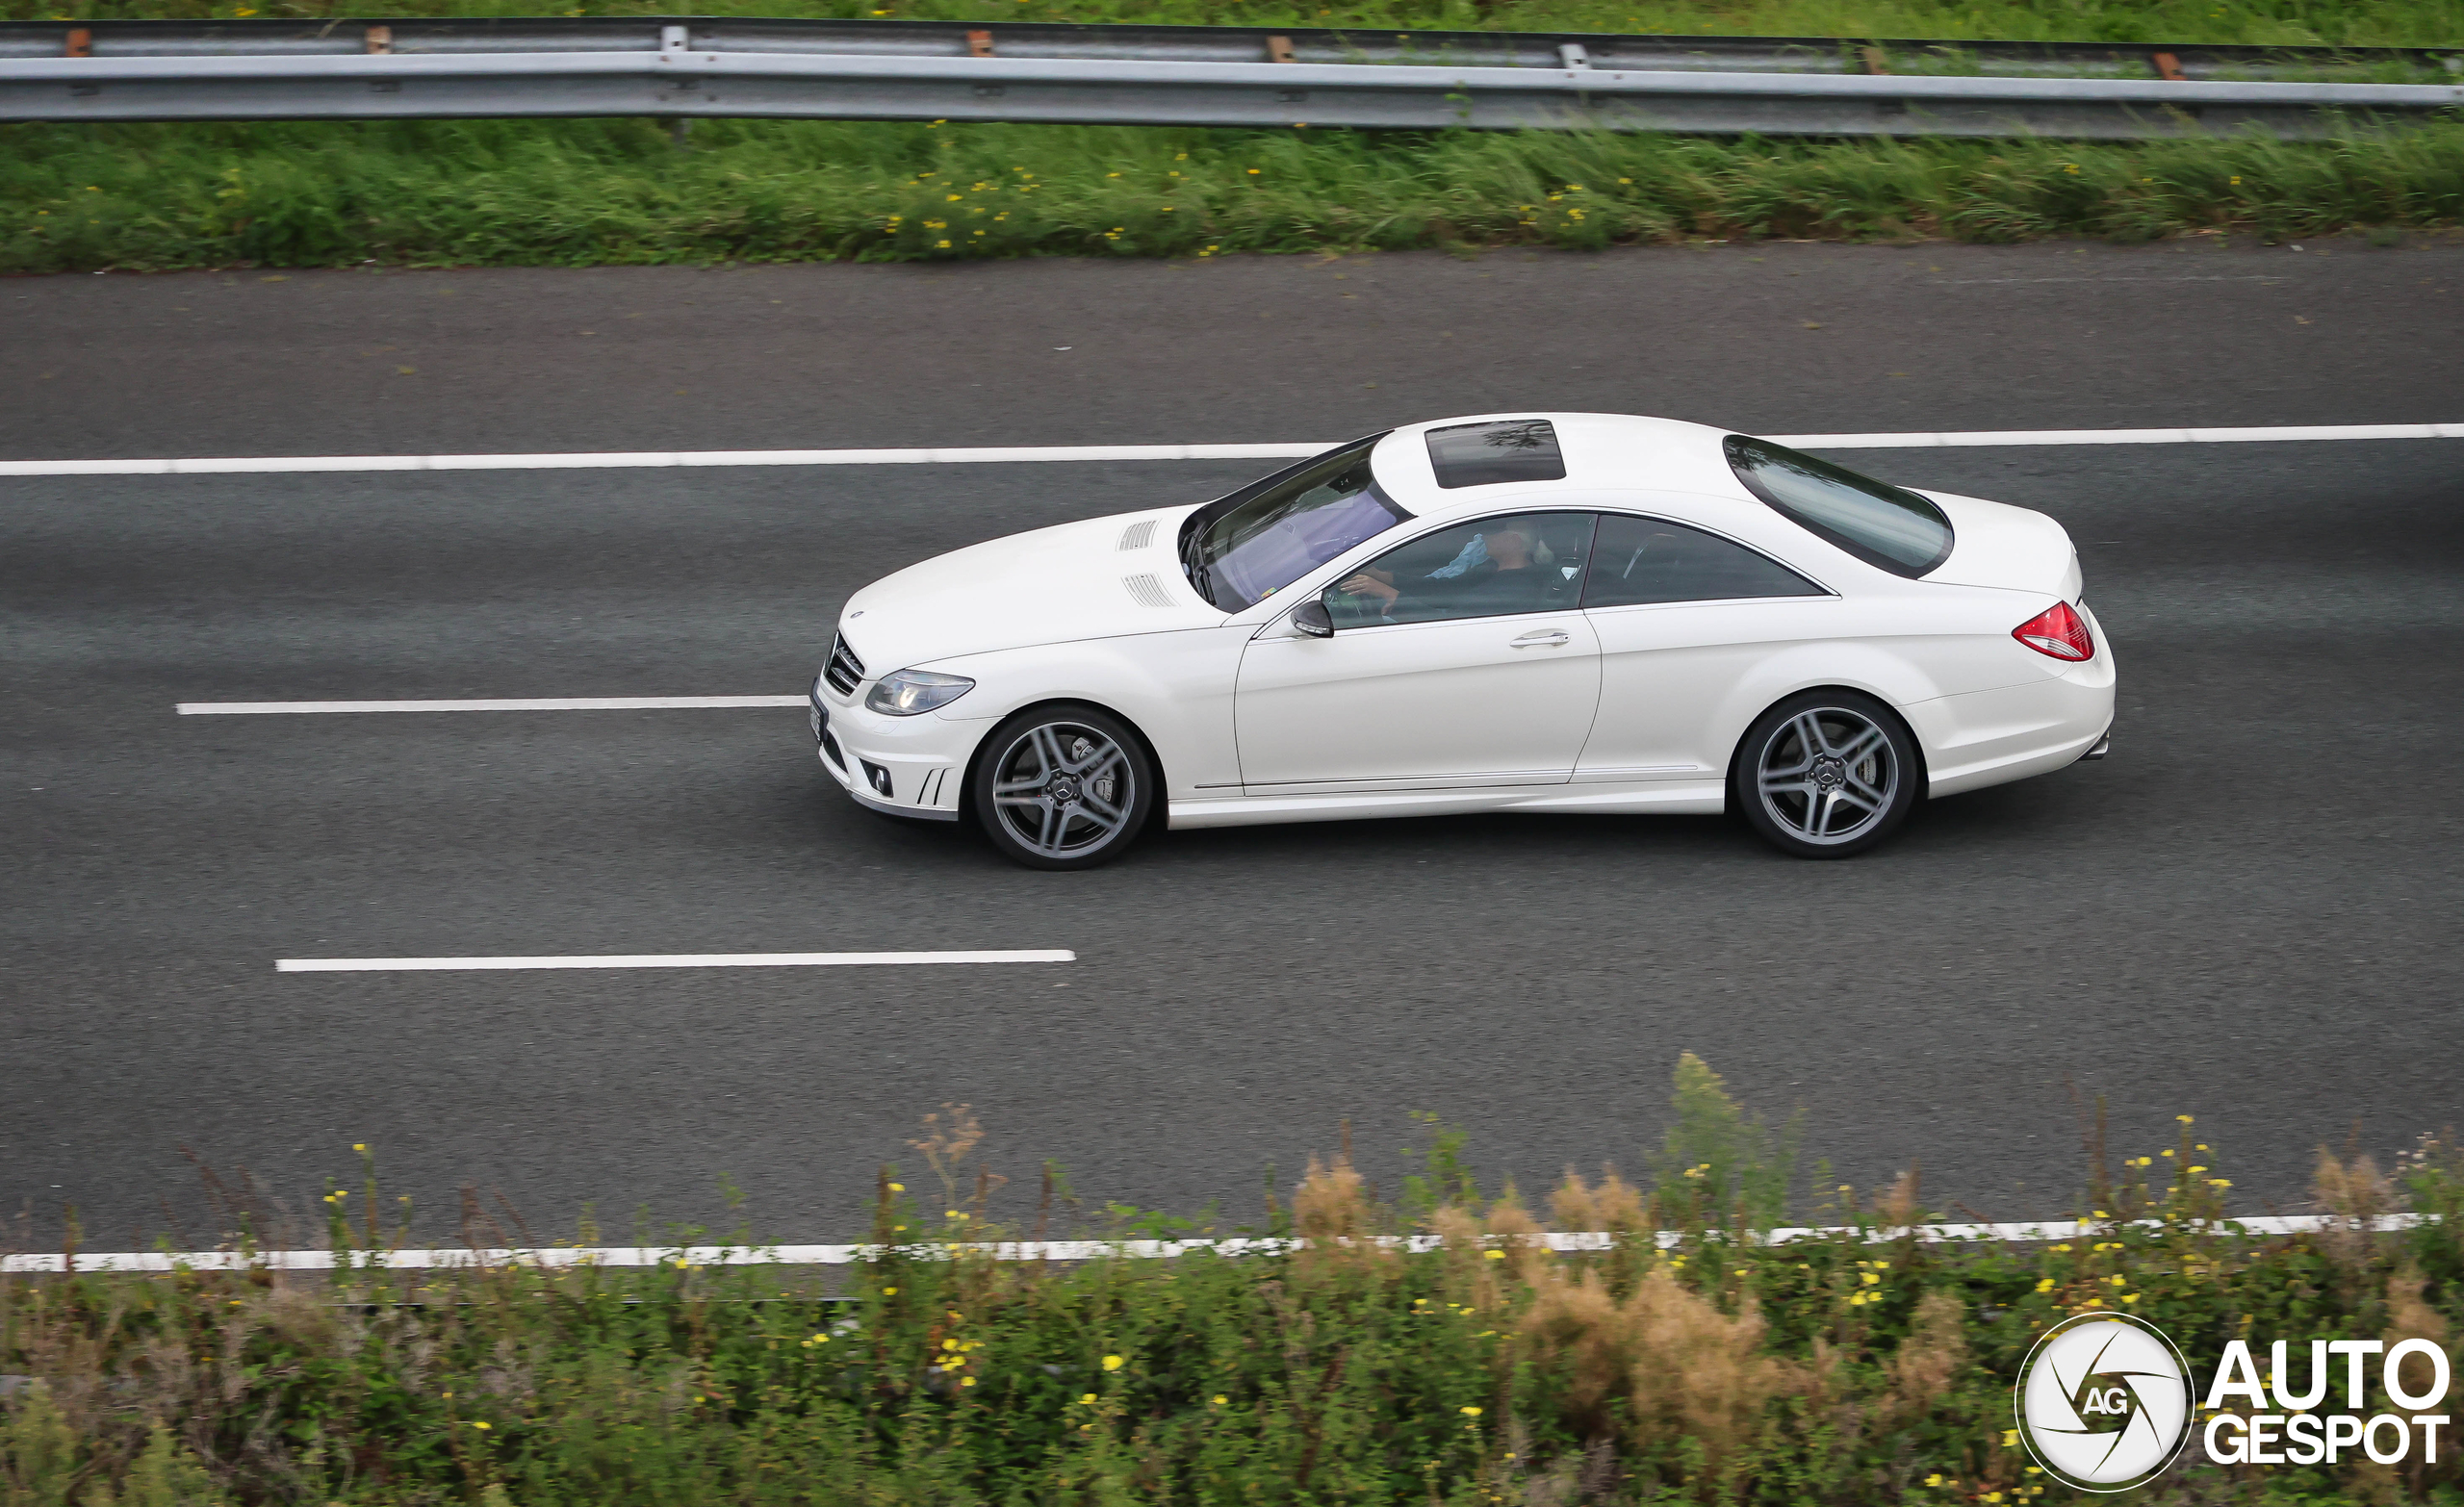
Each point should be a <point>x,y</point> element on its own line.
<point>967,1380</point>
<point>1220,1398</point>
<point>1933,1480</point>
<point>1494,1255</point>
<point>1471,1412</point>
<point>1111,1362</point>
<point>897,1188</point>
<point>1087,1399</point>
<point>2010,1439</point>
<point>889,1291</point>
<point>2044,1283</point>
<point>359,1145</point>
<point>476,1423</point>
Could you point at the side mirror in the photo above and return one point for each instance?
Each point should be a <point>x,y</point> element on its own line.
<point>1312,620</point>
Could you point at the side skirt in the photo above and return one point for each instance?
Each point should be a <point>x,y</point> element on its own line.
<point>1706,797</point>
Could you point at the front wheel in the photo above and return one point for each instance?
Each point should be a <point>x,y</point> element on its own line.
<point>1063,787</point>
<point>1826,774</point>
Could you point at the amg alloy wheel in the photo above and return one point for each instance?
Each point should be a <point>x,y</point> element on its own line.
<point>1063,787</point>
<point>1827,774</point>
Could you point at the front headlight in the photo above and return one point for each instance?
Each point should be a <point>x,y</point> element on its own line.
<point>911,691</point>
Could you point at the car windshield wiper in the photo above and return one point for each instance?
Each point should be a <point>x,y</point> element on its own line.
<point>1194,565</point>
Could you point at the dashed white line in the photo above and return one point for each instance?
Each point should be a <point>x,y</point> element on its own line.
<point>666,961</point>
<point>1007,454</point>
<point>525,703</point>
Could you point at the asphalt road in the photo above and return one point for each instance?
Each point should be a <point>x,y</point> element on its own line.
<point>2247,914</point>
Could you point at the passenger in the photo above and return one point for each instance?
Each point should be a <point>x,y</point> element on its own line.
<point>1508,581</point>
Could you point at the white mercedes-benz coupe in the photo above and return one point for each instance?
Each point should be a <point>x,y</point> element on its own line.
<point>1558,612</point>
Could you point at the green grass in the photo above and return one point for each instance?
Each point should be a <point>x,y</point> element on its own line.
<point>2355,23</point>
<point>1855,1368</point>
<point>76,198</point>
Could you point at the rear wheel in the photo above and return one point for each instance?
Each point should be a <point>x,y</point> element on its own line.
<point>1063,787</point>
<point>1826,774</point>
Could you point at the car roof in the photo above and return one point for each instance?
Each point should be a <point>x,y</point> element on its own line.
<point>1601,451</point>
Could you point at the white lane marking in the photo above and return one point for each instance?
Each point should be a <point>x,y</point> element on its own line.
<point>1003,454</point>
<point>663,961</point>
<point>631,459</point>
<point>1058,1250</point>
<point>1974,437</point>
<point>531,703</point>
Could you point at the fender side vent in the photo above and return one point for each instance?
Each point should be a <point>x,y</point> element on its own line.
<point>1146,591</point>
<point>1139,535</point>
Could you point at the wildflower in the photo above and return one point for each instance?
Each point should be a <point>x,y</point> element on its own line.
<point>2010,1439</point>
<point>967,1380</point>
<point>942,245</point>
<point>1087,1399</point>
<point>2220,1182</point>
<point>1253,172</point>
<point>1934,1480</point>
<point>359,1145</point>
<point>2044,1283</point>
<point>1111,1362</point>
<point>899,1188</point>
<point>477,1423</point>
<point>1219,1399</point>
<point>889,1291</point>
<point>1471,1412</point>
<point>1494,1255</point>
<point>2184,1119</point>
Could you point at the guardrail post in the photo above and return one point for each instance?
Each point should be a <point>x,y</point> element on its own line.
<point>81,42</point>
<point>378,40</point>
<point>979,44</point>
<point>1279,50</point>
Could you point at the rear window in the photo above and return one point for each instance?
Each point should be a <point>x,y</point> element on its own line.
<point>1889,527</point>
<point>1479,454</point>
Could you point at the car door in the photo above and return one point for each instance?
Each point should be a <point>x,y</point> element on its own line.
<point>1461,658</point>
<point>1683,616</point>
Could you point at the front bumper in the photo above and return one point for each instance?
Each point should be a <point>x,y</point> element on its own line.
<point>900,766</point>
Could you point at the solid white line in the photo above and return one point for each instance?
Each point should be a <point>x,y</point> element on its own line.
<point>1003,455</point>
<point>663,961</point>
<point>532,703</point>
<point>1055,1250</point>
<point>1973,436</point>
<point>637,459</point>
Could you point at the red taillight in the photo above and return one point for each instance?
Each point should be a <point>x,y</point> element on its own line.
<point>2057,631</point>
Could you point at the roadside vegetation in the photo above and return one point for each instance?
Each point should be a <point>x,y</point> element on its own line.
<point>1858,1366</point>
<point>546,193</point>
<point>616,191</point>
<point>2273,24</point>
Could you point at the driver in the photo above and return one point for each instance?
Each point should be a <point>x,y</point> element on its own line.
<point>1506,582</point>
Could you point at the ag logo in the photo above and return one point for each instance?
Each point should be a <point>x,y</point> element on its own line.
<point>2104,1401</point>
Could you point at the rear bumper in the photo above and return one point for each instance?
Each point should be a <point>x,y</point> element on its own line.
<point>1991,737</point>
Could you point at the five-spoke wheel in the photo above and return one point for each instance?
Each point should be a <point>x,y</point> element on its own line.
<point>1063,787</point>
<point>1826,774</point>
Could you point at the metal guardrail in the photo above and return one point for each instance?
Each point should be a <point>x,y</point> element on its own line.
<point>1217,76</point>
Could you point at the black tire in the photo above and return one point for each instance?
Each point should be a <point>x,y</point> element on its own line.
<point>1048,790</point>
<point>1826,774</point>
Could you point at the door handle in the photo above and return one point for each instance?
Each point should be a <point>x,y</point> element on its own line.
<point>1552,639</point>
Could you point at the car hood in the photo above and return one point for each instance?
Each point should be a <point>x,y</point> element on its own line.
<point>1098,578</point>
<point>1993,543</point>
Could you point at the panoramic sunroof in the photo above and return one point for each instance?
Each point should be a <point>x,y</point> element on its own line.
<point>1510,450</point>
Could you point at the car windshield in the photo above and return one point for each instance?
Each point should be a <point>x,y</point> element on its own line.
<point>1242,549</point>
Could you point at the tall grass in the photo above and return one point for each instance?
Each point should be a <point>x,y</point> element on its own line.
<point>2348,23</point>
<point>574,193</point>
<point>1863,1368</point>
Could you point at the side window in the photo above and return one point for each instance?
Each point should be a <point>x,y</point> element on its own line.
<point>1515,563</point>
<point>1648,559</point>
